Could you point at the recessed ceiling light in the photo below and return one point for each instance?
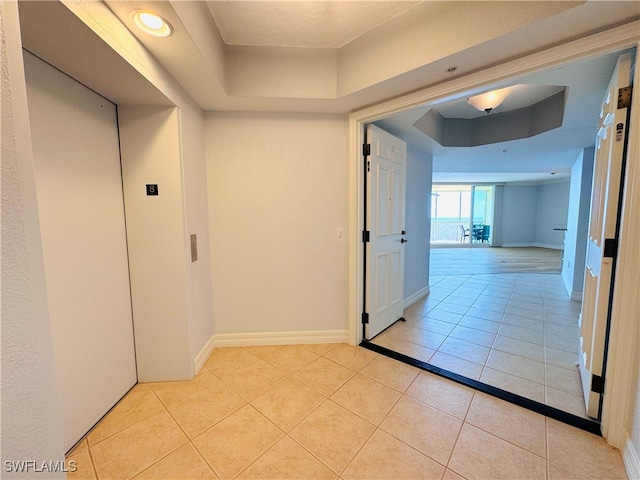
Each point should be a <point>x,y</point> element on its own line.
<point>152,23</point>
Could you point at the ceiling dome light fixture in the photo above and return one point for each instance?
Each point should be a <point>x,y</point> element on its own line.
<point>152,23</point>
<point>488,101</point>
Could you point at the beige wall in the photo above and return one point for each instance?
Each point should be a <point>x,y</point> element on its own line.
<point>277,195</point>
<point>150,146</point>
<point>189,165</point>
<point>197,222</point>
<point>273,239</point>
<point>30,424</point>
<point>281,72</point>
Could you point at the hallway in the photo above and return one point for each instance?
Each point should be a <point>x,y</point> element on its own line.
<point>335,412</point>
<point>514,331</point>
<point>501,316</point>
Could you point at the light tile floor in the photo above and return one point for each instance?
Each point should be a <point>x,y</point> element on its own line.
<point>514,331</point>
<point>334,412</point>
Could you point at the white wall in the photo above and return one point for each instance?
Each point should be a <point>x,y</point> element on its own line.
<point>577,223</point>
<point>531,212</point>
<point>417,222</point>
<point>30,424</point>
<point>197,217</point>
<point>571,237</point>
<point>584,212</point>
<point>150,146</point>
<point>191,146</point>
<point>281,72</point>
<point>277,195</point>
<point>551,212</point>
<point>519,215</point>
<point>79,191</point>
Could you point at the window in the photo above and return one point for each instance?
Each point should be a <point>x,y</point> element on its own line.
<point>451,217</point>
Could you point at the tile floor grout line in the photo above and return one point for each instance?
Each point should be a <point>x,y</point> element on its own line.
<point>325,398</point>
<point>309,451</point>
<point>359,450</point>
<point>177,424</point>
<point>123,428</point>
<point>161,458</point>
<point>484,429</point>
<point>205,459</point>
<point>202,457</point>
<point>455,443</point>
<point>261,454</point>
<point>510,442</point>
<point>93,464</point>
<point>312,454</point>
<point>402,441</point>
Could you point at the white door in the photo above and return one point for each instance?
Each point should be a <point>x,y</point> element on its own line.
<point>386,172</point>
<point>79,192</point>
<point>603,234</point>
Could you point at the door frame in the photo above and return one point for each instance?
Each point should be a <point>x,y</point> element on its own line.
<point>623,331</point>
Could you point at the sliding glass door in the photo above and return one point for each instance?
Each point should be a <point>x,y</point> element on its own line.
<point>461,214</point>
<point>482,207</point>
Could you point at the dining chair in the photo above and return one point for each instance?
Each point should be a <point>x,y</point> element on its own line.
<point>486,229</point>
<point>464,233</point>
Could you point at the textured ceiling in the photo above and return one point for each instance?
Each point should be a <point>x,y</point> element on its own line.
<point>310,24</point>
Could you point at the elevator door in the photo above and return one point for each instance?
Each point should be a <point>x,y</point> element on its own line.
<point>79,191</point>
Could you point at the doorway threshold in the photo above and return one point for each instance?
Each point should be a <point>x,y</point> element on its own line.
<point>588,425</point>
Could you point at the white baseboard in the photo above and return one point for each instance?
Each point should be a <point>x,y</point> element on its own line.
<point>280,338</point>
<point>411,299</point>
<point>540,245</point>
<point>202,356</point>
<point>267,338</point>
<point>631,460</point>
<point>548,245</point>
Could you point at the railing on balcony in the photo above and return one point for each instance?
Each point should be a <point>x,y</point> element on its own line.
<point>446,231</point>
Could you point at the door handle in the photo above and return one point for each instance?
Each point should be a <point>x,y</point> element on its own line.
<point>403,232</point>
<point>403,240</point>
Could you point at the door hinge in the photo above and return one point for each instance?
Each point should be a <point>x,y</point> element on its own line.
<point>597,384</point>
<point>366,236</point>
<point>624,97</point>
<point>610,249</point>
<point>365,318</point>
<point>366,149</point>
